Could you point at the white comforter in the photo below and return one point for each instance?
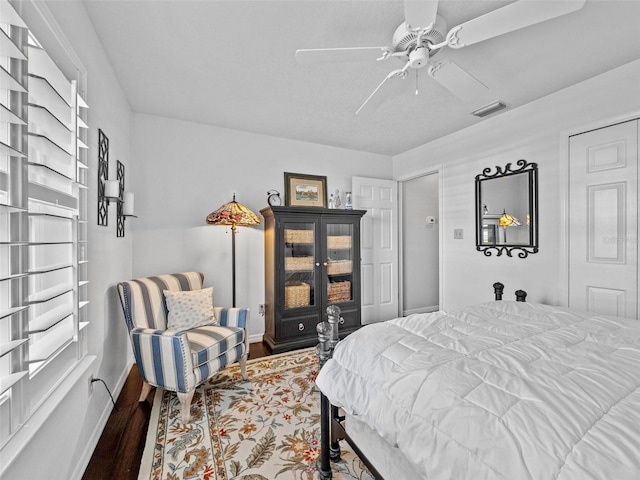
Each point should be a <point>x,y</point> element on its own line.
<point>504,390</point>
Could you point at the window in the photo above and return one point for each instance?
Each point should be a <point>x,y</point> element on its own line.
<point>43,223</point>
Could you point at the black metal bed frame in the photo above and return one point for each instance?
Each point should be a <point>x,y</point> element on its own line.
<point>332,428</point>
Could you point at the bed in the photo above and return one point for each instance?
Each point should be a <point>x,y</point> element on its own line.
<point>502,390</point>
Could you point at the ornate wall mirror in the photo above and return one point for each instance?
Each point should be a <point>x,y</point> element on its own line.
<point>507,210</point>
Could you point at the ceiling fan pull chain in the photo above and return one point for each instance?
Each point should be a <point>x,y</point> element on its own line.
<point>416,82</point>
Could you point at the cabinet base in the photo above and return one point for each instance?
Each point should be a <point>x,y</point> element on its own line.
<point>280,346</point>
<point>288,345</point>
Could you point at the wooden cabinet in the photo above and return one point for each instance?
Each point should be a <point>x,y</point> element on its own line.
<point>312,260</point>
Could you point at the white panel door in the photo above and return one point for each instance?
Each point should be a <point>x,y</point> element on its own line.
<point>603,220</point>
<point>379,247</point>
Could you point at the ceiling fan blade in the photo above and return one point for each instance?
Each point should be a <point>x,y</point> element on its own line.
<point>381,92</point>
<point>329,55</point>
<point>515,16</point>
<point>458,81</point>
<point>420,14</point>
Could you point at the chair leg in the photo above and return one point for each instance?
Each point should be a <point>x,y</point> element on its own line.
<point>146,388</point>
<point>185,405</point>
<point>243,365</point>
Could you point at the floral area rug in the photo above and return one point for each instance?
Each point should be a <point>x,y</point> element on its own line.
<point>264,428</point>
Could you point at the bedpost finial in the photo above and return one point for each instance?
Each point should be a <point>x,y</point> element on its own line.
<point>521,296</point>
<point>323,331</point>
<point>498,289</point>
<point>333,311</point>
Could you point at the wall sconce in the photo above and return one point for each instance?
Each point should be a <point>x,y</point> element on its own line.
<point>120,217</point>
<point>103,174</point>
<point>125,203</point>
<point>112,190</point>
<point>125,206</point>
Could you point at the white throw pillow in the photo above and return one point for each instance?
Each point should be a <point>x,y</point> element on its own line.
<point>189,309</point>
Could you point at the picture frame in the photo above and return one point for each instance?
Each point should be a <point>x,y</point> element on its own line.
<point>301,190</point>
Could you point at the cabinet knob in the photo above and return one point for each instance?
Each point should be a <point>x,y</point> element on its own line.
<point>317,264</point>
<point>301,326</point>
<point>324,263</point>
<point>341,321</point>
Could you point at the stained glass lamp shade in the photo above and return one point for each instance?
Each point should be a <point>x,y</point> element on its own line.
<point>506,221</point>
<point>234,215</point>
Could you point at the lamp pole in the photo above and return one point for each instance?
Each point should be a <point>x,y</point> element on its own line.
<point>234,230</point>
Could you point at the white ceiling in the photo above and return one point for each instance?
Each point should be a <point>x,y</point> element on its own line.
<point>232,64</point>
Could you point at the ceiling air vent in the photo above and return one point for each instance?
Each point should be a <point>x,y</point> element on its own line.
<point>489,109</point>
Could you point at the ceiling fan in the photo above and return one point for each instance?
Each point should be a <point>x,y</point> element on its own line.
<point>424,33</point>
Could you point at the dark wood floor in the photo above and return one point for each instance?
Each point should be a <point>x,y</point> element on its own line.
<point>119,451</point>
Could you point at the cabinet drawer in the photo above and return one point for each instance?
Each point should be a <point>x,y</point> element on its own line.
<point>298,327</point>
<point>351,320</point>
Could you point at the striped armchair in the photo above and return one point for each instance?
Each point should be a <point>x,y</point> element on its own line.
<point>179,360</point>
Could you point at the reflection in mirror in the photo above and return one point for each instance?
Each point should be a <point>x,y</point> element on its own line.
<point>507,210</point>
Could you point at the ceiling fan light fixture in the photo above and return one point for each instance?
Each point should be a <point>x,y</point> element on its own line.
<point>489,109</point>
<point>419,57</point>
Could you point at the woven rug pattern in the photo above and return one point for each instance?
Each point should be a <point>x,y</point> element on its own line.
<point>264,428</point>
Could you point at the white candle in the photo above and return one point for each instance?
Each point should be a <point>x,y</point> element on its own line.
<point>127,208</point>
<point>112,189</point>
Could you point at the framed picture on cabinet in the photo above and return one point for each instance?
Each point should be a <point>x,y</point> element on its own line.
<point>302,190</point>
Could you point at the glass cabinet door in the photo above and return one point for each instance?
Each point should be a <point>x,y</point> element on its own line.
<point>299,264</point>
<point>339,262</point>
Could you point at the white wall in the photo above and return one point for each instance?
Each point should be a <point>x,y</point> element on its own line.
<point>60,446</point>
<point>536,132</point>
<point>185,170</point>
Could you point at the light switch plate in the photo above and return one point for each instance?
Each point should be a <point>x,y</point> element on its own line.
<point>458,233</point>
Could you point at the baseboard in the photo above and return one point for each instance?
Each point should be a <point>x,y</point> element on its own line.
<point>255,338</point>
<point>100,426</point>
<point>433,308</point>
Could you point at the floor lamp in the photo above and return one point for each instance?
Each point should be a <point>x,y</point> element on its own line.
<point>507,221</point>
<point>234,215</point>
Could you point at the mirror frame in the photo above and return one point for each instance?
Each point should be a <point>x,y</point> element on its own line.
<point>531,169</point>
